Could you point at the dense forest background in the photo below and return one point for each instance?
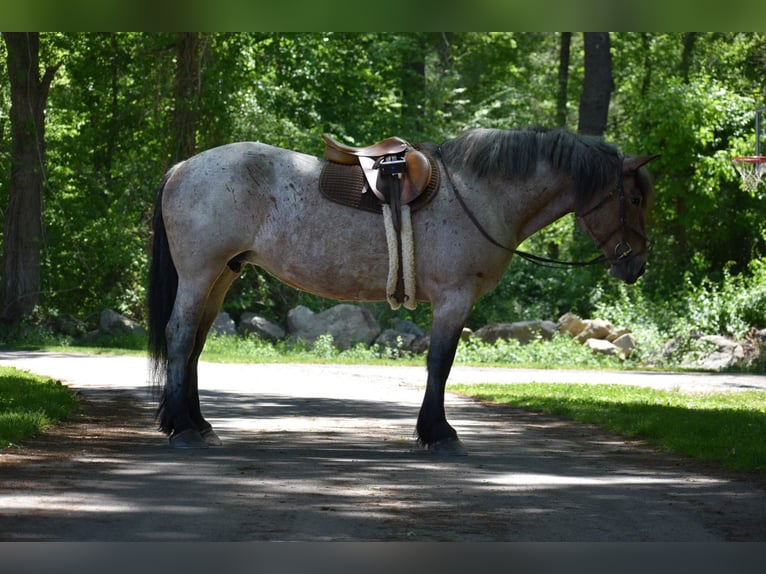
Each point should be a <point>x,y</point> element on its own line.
<point>96,120</point>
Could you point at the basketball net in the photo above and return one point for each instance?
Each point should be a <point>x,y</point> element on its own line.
<point>751,168</point>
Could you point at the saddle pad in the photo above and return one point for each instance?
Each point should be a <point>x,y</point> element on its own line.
<point>344,184</point>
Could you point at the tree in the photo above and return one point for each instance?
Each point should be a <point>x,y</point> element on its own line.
<point>561,97</point>
<point>23,230</point>
<point>597,85</point>
<point>187,95</point>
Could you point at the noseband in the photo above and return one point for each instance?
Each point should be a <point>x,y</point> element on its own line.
<point>622,250</point>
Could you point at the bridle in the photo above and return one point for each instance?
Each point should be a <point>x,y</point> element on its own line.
<point>622,250</point>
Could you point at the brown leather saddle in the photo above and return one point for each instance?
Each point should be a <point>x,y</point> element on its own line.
<point>361,177</point>
<point>387,165</point>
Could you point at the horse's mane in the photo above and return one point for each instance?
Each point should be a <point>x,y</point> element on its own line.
<point>591,163</point>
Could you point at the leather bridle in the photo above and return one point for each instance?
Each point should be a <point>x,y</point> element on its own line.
<point>623,249</point>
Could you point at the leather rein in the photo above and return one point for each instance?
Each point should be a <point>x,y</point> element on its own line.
<point>622,250</point>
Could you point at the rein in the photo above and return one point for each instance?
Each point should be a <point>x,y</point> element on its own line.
<point>622,250</point>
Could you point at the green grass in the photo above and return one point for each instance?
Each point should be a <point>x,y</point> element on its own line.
<point>728,428</point>
<point>29,404</point>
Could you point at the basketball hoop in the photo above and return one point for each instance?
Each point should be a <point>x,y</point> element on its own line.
<point>751,168</point>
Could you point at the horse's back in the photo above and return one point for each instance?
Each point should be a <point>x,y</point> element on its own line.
<point>215,203</point>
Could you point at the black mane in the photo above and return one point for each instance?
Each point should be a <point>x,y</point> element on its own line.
<point>591,163</point>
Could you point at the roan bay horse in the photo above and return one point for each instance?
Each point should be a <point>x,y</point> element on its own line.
<point>254,203</point>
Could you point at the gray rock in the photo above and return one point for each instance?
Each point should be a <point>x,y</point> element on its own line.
<point>626,343</point>
<point>250,323</point>
<point>405,326</point>
<point>396,340</point>
<point>522,331</point>
<point>112,323</point>
<point>223,325</point>
<point>602,346</point>
<point>348,324</point>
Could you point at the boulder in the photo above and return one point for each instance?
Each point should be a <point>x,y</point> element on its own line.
<point>405,326</point>
<point>250,323</point>
<point>420,346</point>
<point>348,324</point>
<point>626,343</point>
<point>594,329</point>
<point>570,324</point>
<point>395,340</point>
<point>223,325</point>
<point>727,353</point>
<point>602,346</point>
<point>112,323</point>
<point>522,331</point>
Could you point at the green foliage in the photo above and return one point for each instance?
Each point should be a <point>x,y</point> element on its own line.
<point>559,353</point>
<point>29,404</point>
<point>690,97</point>
<point>727,428</point>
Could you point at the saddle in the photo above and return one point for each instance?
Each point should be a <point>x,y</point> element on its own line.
<point>382,160</point>
<point>401,179</point>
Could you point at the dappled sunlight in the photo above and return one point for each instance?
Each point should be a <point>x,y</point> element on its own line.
<point>532,481</point>
<point>305,460</point>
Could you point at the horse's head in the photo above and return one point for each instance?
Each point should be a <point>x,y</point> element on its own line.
<point>616,221</point>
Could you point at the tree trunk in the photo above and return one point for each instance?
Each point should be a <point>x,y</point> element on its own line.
<point>597,85</point>
<point>561,98</point>
<point>187,95</point>
<point>23,233</point>
<point>414,85</point>
<point>690,40</point>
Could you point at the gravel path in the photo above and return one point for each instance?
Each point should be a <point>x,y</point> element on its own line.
<point>326,452</point>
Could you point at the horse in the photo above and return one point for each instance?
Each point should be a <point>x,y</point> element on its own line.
<point>252,203</point>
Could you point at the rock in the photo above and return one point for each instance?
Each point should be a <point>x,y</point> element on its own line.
<point>594,329</point>
<point>223,325</point>
<point>727,353</point>
<point>570,324</point>
<point>602,346</point>
<point>616,333</point>
<point>420,346</point>
<point>112,323</point>
<point>466,334</point>
<point>626,343</point>
<point>395,340</point>
<point>348,324</point>
<point>250,323</point>
<point>404,326</point>
<point>522,331</point>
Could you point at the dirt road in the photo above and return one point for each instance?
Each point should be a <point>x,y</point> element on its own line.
<point>323,452</point>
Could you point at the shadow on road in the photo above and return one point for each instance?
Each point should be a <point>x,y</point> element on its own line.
<point>319,468</point>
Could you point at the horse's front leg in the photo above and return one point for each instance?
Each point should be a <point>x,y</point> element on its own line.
<point>434,432</point>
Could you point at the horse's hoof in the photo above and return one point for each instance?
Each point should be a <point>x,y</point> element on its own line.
<point>212,439</point>
<point>189,438</point>
<point>448,447</point>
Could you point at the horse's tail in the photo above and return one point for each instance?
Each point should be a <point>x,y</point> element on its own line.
<point>163,284</point>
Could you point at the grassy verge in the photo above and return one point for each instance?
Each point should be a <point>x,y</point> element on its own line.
<point>29,403</point>
<point>728,427</point>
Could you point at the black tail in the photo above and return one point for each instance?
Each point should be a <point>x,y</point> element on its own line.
<point>163,283</point>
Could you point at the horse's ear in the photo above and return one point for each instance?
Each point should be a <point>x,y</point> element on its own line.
<point>634,163</point>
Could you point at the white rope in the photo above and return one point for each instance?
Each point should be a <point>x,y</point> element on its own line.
<point>408,258</point>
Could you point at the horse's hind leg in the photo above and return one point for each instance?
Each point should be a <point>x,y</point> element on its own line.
<point>179,409</point>
<point>213,306</point>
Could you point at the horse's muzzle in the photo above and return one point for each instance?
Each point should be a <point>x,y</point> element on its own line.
<point>629,270</point>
